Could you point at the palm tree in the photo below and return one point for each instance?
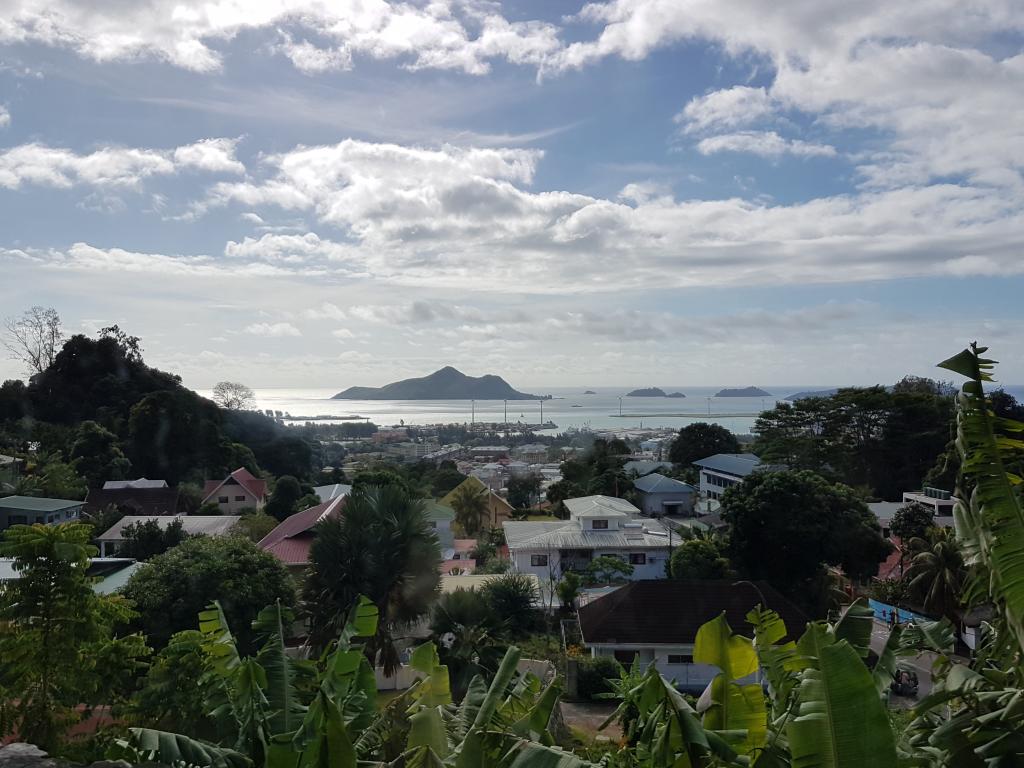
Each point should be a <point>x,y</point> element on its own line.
<point>383,547</point>
<point>471,509</point>
<point>937,571</point>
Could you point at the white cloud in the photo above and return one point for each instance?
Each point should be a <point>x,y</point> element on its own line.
<point>5,116</point>
<point>343,333</point>
<point>763,143</point>
<point>727,108</point>
<point>111,166</point>
<point>273,330</point>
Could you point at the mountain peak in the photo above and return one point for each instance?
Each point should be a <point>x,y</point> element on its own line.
<point>447,383</point>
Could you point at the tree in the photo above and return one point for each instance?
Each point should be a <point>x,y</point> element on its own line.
<point>146,539</point>
<point>56,634</point>
<point>912,521</point>
<point>522,491</point>
<point>382,547</point>
<point>173,587</point>
<point>568,589</point>
<point>283,501</point>
<point>130,346</point>
<point>255,526</point>
<point>698,559</point>
<point>513,597</point>
<point>700,440</point>
<point>54,478</point>
<point>96,453</point>
<point>786,526</point>
<point>471,509</point>
<point>233,396</point>
<point>560,491</point>
<point>34,338</point>
<point>937,572</point>
<point>607,569</point>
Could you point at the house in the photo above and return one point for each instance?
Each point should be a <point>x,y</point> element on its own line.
<point>103,569</point>
<point>660,495</point>
<point>531,453</point>
<point>724,470</point>
<point>458,558</point>
<point>137,497</point>
<point>10,471</point>
<point>498,509</point>
<point>193,525</point>
<point>938,501</point>
<point>238,491</point>
<point>641,467</point>
<point>328,492</point>
<point>885,511</point>
<point>658,621</point>
<point>28,510</point>
<point>441,517</point>
<point>597,526</point>
<point>292,539</point>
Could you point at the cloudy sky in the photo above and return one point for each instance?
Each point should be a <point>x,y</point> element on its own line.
<point>322,193</point>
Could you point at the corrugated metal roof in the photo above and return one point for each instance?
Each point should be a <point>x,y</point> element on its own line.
<point>37,503</point>
<point>600,506</point>
<point>208,525</point>
<point>645,466</point>
<point>657,483</point>
<point>115,485</point>
<point>328,492</point>
<point>566,534</point>
<point>116,580</point>
<point>738,464</point>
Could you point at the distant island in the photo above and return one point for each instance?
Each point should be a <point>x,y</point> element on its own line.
<point>647,392</point>
<point>675,394</point>
<point>813,393</point>
<point>744,392</point>
<point>445,384</point>
<point>590,392</point>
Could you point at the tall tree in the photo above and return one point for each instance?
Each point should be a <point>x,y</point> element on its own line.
<point>96,454</point>
<point>147,538</point>
<point>700,440</point>
<point>471,509</point>
<point>233,395</point>
<point>284,498</point>
<point>937,572</point>
<point>382,547</point>
<point>698,559</point>
<point>34,338</point>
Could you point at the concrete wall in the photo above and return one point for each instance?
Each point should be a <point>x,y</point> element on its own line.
<point>687,677</point>
<point>654,568</point>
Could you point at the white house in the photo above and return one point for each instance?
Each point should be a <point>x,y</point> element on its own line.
<point>658,621</point>
<point>938,501</point>
<point>597,526</point>
<point>660,495</point>
<point>724,470</point>
<point>238,491</point>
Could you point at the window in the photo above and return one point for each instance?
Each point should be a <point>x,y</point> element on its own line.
<point>432,523</point>
<point>538,561</point>
<point>680,658</point>
<point>222,499</point>
<point>599,525</point>
<point>239,498</point>
<point>639,558</point>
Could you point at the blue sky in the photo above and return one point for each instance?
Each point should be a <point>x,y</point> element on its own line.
<point>296,193</point>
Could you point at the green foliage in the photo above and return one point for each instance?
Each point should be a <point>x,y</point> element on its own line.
<point>57,637</point>
<point>568,589</point>
<point>937,573</point>
<point>698,559</point>
<point>471,636</point>
<point>173,693</point>
<point>173,587</point>
<point>53,478</point>
<point>606,569</point>
<point>513,597</point>
<point>254,526</point>
<point>96,454</point>
<point>382,547</point>
<point>700,440</point>
<point>471,505</point>
<point>785,526</point>
<point>593,674</point>
<point>523,491</point>
<point>912,521</point>
<point>147,538</point>
<point>283,501</point>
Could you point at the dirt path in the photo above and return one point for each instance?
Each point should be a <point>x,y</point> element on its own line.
<point>587,717</point>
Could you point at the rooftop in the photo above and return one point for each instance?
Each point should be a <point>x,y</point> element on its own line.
<point>116,485</point>
<point>645,466</point>
<point>600,506</point>
<point>567,534</point>
<point>737,464</point>
<point>37,503</point>
<point>328,492</point>
<point>657,483</point>
<point>208,525</point>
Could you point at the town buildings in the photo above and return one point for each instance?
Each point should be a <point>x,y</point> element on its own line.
<point>28,510</point>
<point>660,495</point>
<point>205,525</point>
<point>724,470</point>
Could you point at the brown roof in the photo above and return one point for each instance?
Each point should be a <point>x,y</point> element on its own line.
<point>254,485</point>
<point>670,611</point>
<point>291,539</point>
<point>143,501</point>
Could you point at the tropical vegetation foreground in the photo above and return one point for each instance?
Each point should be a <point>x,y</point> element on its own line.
<point>782,696</point>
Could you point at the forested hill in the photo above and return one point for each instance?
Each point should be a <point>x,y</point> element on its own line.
<point>444,384</point>
<point>164,429</point>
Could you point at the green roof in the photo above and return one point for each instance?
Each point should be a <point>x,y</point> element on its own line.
<point>37,504</point>
<point>438,511</point>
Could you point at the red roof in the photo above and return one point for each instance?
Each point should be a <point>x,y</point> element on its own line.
<point>291,539</point>
<point>466,566</point>
<point>256,487</point>
<point>890,567</point>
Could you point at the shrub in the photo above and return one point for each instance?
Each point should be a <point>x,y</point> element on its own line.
<point>593,674</point>
<point>512,597</point>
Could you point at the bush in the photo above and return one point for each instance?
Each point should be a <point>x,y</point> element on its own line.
<point>511,597</point>
<point>593,674</point>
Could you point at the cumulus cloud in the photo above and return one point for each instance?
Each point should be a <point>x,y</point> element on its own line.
<point>727,108</point>
<point>272,330</point>
<point>763,143</point>
<point>126,167</point>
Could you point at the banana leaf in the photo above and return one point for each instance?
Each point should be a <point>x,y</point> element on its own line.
<point>174,749</point>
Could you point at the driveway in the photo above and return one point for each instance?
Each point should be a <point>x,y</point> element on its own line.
<point>922,664</point>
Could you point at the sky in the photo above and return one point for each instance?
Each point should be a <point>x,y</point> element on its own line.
<point>303,193</point>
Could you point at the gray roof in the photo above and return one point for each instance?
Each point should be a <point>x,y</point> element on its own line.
<point>116,580</point>
<point>600,506</point>
<point>7,571</point>
<point>657,483</point>
<point>328,492</point>
<point>116,485</point>
<point>38,504</point>
<point>885,510</point>
<point>209,525</point>
<point>738,464</point>
<point>645,466</point>
<point>567,534</point>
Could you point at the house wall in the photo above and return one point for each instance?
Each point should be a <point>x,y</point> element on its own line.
<point>234,506</point>
<point>714,483</point>
<point>688,677</point>
<point>9,517</point>
<point>654,568</point>
<point>653,504</point>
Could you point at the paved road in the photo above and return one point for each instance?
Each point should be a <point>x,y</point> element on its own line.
<point>922,664</point>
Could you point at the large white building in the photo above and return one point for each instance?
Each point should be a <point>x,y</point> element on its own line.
<point>597,526</point>
<point>724,470</point>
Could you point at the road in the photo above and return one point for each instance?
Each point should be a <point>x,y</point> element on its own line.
<point>922,664</point>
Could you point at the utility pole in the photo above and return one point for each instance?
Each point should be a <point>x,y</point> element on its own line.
<point>620,406</point>
<point>542,414</point>
<point>473,411</point>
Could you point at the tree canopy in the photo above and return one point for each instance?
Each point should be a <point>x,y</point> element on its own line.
<point>698,559</point>
<point>700,440</point>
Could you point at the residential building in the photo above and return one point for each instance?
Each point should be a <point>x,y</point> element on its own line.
<point>658,622</point>
<point>498,509</point>
<point>885,511</point>
<point>660,495</point>
<point>531,453</point>
<point>10,471</point>
<point>329,492</point>
<point>441,517</point>
<point>238,491</point>
<point>724,470</point>
<point>491,452</point>
<point>597,526</point>
<point>641,467</point>
<point>29,510</point>
<point>194,525</point>
<point>136,497</point>
<point>938,501</point>
<point>291,540</point>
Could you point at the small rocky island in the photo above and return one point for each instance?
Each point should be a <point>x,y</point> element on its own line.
<point>675,394</point>
<point>647,392</point>
<point>744,392</point>
<point>445,384</point>
<point>590,392</point>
